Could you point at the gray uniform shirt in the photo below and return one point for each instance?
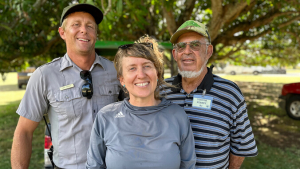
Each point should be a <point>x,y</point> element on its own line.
<point>71,115</point>
<point>156,137</point>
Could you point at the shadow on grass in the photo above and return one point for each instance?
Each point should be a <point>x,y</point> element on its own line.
<point>271,125</point>
<point>8,122</point>
<point>277,135</point>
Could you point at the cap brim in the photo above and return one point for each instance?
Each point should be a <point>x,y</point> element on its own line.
<point>177,34</point>
<point>94,11</point>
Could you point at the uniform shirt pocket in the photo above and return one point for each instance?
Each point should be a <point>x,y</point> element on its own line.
<point>69,103</point>
<point>107,94</point>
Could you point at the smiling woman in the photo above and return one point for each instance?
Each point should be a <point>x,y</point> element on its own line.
<point>144,130</point>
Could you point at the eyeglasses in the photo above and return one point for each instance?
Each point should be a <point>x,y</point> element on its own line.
<point>129,45</point>
<point>194,45</point>
<point>87,88</point>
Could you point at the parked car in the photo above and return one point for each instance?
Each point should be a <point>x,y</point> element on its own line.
<point>273,70</point>
<point>290,100</point>
<point>23,77</point>
<point>233,70</point>
<point>255,70</point>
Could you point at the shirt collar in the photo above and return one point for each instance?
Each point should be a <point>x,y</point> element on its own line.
<point>206,83</point>
<point>67,62</point>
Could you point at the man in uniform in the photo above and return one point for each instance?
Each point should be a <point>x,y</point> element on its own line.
<point>215,106</point>
<point>71,89</point>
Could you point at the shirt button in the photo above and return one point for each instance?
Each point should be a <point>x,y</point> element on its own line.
<point>186,105</point>
<point>67,97</point>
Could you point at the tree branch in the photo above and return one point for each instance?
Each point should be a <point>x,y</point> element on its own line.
<point>216,22</point>
<point>231,52</point>
<point>264,20</point>
<point>295,35</point>
<point>171,24</point>
<point>234,17</point>
<point>227,39</point>
<point>48,46</point>
<point>108,7</point>
<point>222,14</point>
<point>187,12</point>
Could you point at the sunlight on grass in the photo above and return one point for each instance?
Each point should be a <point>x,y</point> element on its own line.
<point>262,78</point>
<point>293,71</point>
<point>9,91</point>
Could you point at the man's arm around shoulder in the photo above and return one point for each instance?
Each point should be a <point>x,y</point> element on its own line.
<point>22,143</point>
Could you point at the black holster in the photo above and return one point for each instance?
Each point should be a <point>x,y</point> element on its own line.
<point>50,155</point>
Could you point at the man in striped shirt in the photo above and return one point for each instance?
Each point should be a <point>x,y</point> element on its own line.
<point>216,107</point>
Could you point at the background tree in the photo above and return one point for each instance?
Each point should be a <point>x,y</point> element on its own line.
<point>266,28</point>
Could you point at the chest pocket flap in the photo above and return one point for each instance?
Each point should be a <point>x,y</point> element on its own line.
<point>107,94</point>
<point>69,102</point>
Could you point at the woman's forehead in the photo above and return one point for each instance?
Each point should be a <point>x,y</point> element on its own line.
<point>135,60</point>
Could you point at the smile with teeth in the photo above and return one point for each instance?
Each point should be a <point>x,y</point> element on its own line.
<point>188,60</point>
<point>142,84</point>
<point>85,40</point>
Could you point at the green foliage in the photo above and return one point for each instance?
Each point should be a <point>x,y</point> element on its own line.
<point>34,25</point>
<point>28,29</point>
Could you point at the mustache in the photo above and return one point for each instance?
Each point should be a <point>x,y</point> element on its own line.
<point>188,56</point>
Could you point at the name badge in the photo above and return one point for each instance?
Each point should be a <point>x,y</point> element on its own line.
<point>204,102</point>
<point>66,87</point>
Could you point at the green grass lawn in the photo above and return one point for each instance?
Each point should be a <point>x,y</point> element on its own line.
<point>273,158</point>
<point>8,121</point>
<point>261,78</point>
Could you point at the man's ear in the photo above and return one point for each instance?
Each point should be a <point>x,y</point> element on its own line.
<point>174,54</point>
<point>62,33</point>
<point>210,50</point>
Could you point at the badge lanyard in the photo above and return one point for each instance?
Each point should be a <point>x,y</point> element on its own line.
<point>202,101</point>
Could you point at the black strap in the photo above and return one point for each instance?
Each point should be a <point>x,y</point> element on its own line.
<point>50,151</point>
<point>47,127</point>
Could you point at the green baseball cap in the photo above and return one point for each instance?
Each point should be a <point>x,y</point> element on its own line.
<point>91,9</point>
<point>190,26</point>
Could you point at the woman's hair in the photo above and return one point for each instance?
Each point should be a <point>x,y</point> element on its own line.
<point>141,49</point>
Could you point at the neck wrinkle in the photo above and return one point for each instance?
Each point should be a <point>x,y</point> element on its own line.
<point>84,62</point>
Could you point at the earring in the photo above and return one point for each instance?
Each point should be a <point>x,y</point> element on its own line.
<point>123,85</point>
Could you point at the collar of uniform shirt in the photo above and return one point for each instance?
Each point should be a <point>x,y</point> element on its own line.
<point>206,83</point>
<point>67,62</point>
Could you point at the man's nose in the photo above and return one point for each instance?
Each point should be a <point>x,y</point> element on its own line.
<point>83,29</point>
<point>187,49</point>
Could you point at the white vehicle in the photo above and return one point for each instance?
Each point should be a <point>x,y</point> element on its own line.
<point>233,70</point>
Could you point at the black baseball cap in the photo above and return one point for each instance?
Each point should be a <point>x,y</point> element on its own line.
<point>91,9</point>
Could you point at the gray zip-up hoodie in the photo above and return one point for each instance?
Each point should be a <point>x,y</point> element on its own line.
<point>155,137</point>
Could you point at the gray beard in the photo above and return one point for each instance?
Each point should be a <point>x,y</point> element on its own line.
<point>192,74</point>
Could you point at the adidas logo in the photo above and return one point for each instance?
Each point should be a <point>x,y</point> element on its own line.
<point>120,114</point>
